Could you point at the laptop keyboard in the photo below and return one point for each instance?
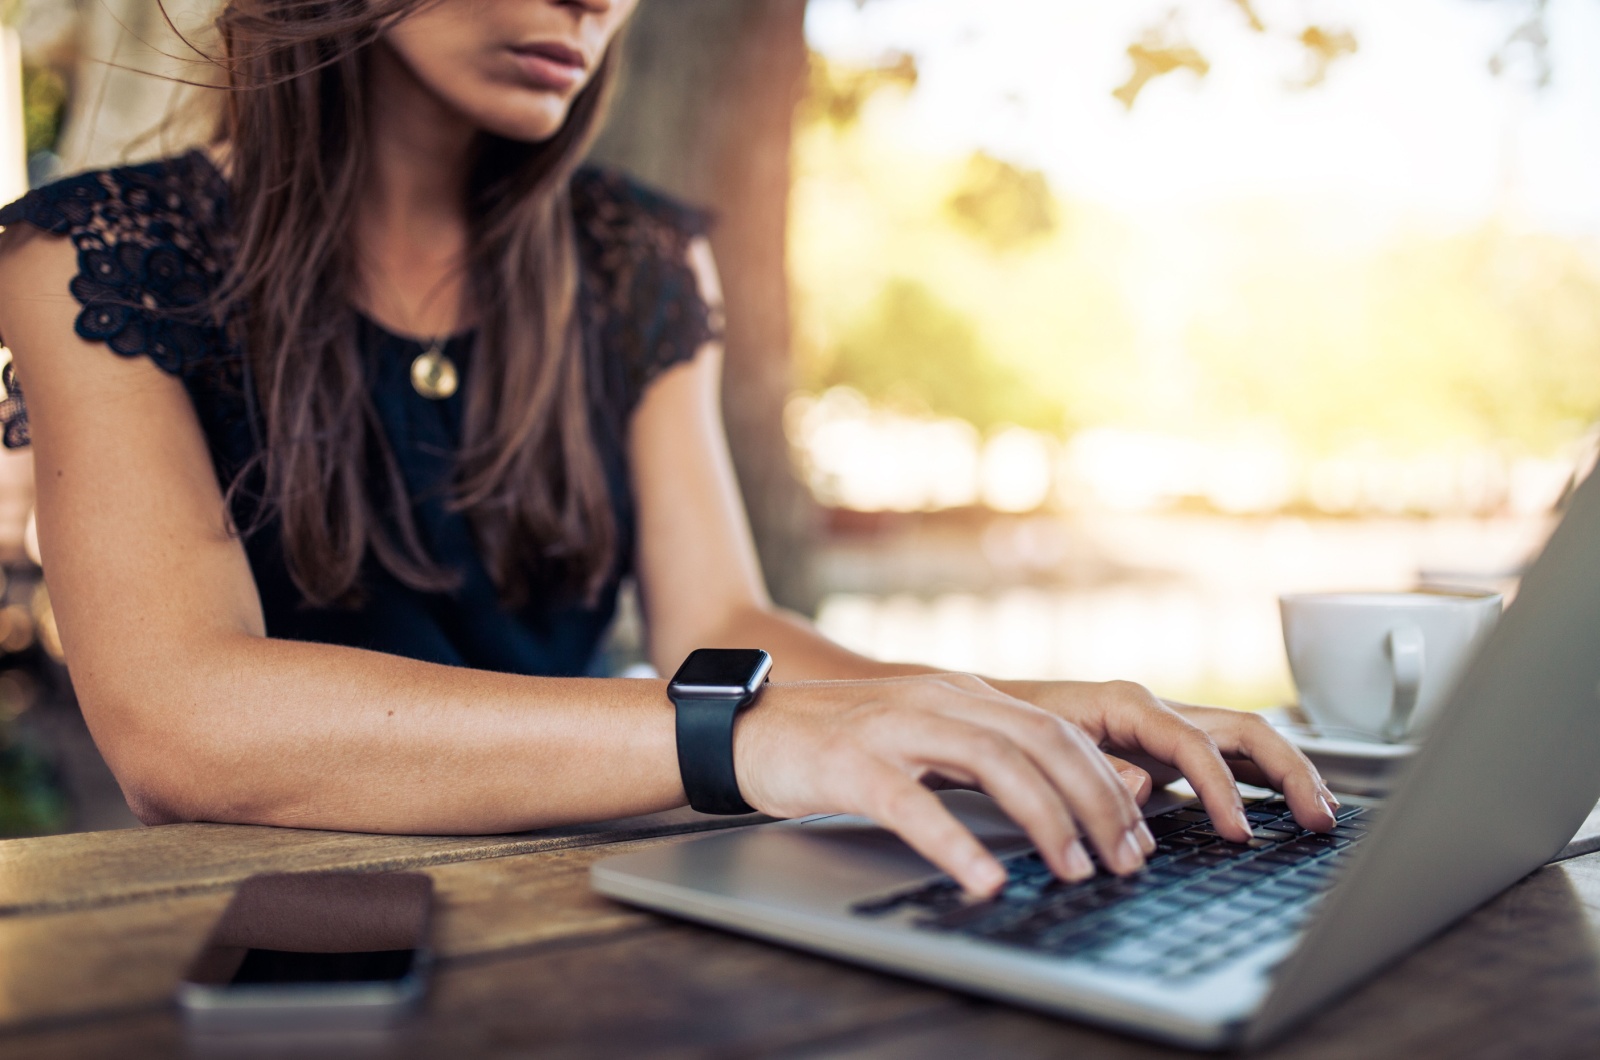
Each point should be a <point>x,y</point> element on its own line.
<point>1201,901</point>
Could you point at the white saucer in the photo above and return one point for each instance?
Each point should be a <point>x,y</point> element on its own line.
<point>1355,767</point>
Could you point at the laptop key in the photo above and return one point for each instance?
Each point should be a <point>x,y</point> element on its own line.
<point>1210,885</point>
<point>1165,825</point>
<point>1287,855</point>
<point>1285,891</point>
<point>1234,878</point>
<point>1191,839</point>
<point>1319,839</point>
<point>1287,830</point>
<point>1163,908</point>
<point>1185,869</point>
<point>1211,858</point>
<point>1255,902</point>
<point>1254,843</point>
<point>1188,895</point>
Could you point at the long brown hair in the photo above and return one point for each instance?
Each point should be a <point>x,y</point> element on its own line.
<point>529,476</point>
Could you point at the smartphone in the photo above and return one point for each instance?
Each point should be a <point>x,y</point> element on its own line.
<point>312,951</point>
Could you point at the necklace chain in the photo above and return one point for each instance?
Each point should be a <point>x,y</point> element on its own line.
<point>433,374</point>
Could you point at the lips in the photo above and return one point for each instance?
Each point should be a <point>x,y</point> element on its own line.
<point>550,65</point>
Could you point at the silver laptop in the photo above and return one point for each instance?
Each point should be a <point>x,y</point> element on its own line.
<point>1215,945</point>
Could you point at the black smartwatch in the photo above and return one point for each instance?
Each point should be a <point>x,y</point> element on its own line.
<point>709,690</point>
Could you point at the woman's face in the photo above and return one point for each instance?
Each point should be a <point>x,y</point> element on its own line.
<point>510,67</point>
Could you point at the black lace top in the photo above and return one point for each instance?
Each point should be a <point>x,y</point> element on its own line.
<point>153,241</point>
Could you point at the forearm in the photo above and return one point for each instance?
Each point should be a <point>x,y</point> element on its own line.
<point>799,652</point>
<point>252,729</point>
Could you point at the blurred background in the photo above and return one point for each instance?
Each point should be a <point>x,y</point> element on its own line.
<point>1063,335</point>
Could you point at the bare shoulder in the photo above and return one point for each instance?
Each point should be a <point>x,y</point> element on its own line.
<point>33,264</point>
<point>36,272</point>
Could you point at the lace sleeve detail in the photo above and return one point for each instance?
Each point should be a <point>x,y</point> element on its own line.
<point>643,300</point>
<point>13,411</point>
<point>147,263</point>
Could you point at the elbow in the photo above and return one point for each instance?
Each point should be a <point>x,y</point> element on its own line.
<point>165,761</point>
<point>156,789</point>
<point>177,752</point>
<point>150,805</point>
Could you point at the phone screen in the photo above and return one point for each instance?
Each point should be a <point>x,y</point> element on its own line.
<point>330,942</point>
<point>293,966</point>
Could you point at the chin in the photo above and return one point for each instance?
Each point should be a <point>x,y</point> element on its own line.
<point>531,118</point>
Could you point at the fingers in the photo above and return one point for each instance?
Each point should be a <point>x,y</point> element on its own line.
<point>1135,718</point>
<point>1016,781</point>
<point>1280,763</point>
<point>1092,792</point>
<point>1136,779</point>
<point>867,747</point>
<point>915,814</point>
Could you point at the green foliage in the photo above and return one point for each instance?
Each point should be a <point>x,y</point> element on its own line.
<point>1001,204</point>
<point>910,349</point>
<point>44,101</point>
<point>31,802</point>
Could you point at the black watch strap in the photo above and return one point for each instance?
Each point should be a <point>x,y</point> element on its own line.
<point>705,754</point>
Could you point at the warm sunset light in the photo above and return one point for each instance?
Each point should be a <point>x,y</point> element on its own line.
<point>1355,285</point>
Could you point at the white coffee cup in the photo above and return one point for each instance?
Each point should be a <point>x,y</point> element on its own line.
<point>1379,665</point>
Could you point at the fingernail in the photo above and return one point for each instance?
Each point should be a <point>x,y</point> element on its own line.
<point>1329,797</point>
<point>1079,867</point>
<point>1241,820</point>
<point>1132,781</point>
<point>1129,854</point>
<point>1328,807</point>
<point>1147,842</point>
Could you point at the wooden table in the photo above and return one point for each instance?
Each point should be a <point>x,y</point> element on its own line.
<point>96,928</point>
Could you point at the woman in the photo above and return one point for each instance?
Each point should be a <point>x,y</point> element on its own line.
<point>396,395</point>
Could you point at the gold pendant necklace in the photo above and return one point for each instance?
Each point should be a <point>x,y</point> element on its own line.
<point>433,375</point>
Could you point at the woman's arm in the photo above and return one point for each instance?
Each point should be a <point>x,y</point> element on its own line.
<point>203,717</point>
<point>200,715</point>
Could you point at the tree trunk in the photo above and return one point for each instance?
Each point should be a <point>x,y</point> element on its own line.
<point>706,113</point>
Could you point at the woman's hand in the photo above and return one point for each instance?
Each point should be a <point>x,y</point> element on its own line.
<point>874,747</point>
<point>1208,746</point>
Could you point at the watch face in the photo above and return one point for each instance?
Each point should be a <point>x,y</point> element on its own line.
<point>722,671</point>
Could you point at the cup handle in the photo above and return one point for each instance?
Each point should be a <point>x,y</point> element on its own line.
<point>1405,655</point>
